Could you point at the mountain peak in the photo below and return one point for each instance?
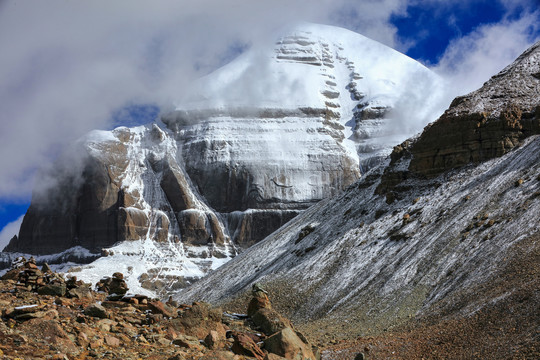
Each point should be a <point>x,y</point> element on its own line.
<point>371,95</point>
<point>254,144</point>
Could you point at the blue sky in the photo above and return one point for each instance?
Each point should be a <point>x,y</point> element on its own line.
<point>69,67</point>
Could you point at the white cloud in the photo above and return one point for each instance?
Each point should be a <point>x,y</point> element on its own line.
<point>471,60</point>
<point>66,66</point>
<point>11,229</point>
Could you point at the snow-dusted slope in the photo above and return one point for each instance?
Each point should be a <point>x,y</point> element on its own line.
<point>377,264</point>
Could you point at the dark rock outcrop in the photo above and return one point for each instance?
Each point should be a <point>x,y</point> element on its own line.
<point>486,123</point>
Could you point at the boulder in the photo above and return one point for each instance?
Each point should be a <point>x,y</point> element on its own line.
<point>189,342</point>
<point>270,321</point>
<point>112,341</point>
<point>288,344</point>
<point>259,301</point>
<point>212,340</point>
<point>158,307</point>
<point>58,289</point>
<point>244,345</point>
<point>81,292</point>
<point>96,310</point>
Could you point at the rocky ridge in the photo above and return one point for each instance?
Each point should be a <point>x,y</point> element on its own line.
<point>485,124</point>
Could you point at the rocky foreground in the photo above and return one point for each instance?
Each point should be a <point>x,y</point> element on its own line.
<point>45,316</point>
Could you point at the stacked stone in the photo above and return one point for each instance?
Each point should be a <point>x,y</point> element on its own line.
<point>30,276</point>
<point>113,286</point>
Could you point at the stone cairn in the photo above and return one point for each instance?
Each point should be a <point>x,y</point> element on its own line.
<point>115,285</point>
<point>29,277</point>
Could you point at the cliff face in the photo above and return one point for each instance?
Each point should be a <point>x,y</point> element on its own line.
<point>486,123</point>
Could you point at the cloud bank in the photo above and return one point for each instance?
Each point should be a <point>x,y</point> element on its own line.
<point>68,67</point>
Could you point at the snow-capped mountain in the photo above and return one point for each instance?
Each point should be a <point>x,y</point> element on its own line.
<point>412,238</point>
<point>252,145</point>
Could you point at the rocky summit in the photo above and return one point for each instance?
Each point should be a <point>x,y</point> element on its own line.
<point>433,253</point>
<point>249,148</point>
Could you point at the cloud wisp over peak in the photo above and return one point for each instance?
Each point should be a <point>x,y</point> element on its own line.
<point>70,67</point>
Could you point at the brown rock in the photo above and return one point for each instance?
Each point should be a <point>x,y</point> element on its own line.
<point>63,302</point>
<point>81,292</point>
<point>244,345</point>
<point>258,301</point>
<point>12,274</point>
<point>270,321</point>
<point>289,345</point>
<point>96,310</point>
<point>96,344</point>
<point>46,268</point>
<point>50,314</point>
<point>112,341</point>
<point>170,333</point>
<point>171,302</point>
<point>160,308</point>
<point>189,342</point>
<point>53,289</point>
<point>105,325</point>
<point>82,339</point>
<point>212,340</point>
<point>163,341</point>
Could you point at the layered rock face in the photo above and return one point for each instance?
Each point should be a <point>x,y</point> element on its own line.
<point>253,145</point>
<point>486,123</point>
<point>101,197</point>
